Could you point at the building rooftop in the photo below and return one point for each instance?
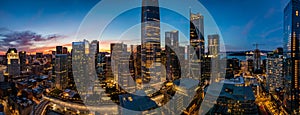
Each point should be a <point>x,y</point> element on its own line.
<point>4,85</point>
<point>238,80</point>
<point>233,92</point>
<point>186,83</point>
<point>135,102</point>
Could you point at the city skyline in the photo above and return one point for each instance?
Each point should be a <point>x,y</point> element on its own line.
<point>64,21</point>
<point>151,57</point>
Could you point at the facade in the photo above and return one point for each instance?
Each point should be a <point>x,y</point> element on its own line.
<point>13,62</point>
<point>257,59</point>
<point>213,57</point>
<point>135,61</point>
<point>213,45</point>
<point>116,51</point>
<point>196,49</point>
<point>22,56</point>
<point>79,65</point>
<point>274,69</point>
<point>185,89</point>
<point>125,80</point>
<point>234,98</point>
<point>65,50</point>
<point>172,59</point>
<point>291,52</point>
<point>95,44</point>
<point>206,71</point>
<point>150,41</point>
<point>59,50</point>
<point>95,48</point>
<point>233,67</point>
<point>61,71</point>
<point>101,65</point>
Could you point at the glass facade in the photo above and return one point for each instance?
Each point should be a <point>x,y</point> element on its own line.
<point>150,30</point>
<point>291,52</point>
<point>197,47</point>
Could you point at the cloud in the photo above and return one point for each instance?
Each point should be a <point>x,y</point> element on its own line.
<point>248,27</point>
<point>23,40</point>
<point>47,49</point>
<point>269,13</point>
<point>267,33</point>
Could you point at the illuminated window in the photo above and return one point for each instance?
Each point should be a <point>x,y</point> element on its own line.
<point>297,13</point>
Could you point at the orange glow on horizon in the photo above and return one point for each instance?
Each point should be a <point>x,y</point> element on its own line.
<point>44,50</point>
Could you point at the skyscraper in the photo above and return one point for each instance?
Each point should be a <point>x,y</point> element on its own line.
<point>59,49</point>
<point>117,50</point>
<point>13,62</point>
<point>172,38</point>
<point>274,70</point>
<point>172,62</point>
<point>79,65</point>
<point>124,76</point>
<point>61,71</point>
<point>197,34</point>
<point>65,50</point>
<point>95,48</point>
<point>135,63</point>
<point>150,39</point>
<point>197,46</point>
<point>95,44</point>
<point>213,45</point>
<point>22,56</point>
<point>291,52</point>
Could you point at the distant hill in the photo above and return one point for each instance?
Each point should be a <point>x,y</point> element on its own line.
<point>242,53</point>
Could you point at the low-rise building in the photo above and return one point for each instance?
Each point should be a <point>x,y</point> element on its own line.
<point>234,98</point>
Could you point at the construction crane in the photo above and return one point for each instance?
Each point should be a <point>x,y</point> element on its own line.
<point>256,45</point>
<point>257,57</point>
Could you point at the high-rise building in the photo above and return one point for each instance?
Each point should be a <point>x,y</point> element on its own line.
<point>38,55</point>
<point>79,65</point>
<point>197,45</point>
<point>61,71</point>
<point>206,69</point>
<point>65,50</point>
<point>59,49</point>
<point>250,65</point>
<point>292,54</point>
<point>150,40</point>
<point>117,50</point>
<point>13,62</point>
<point>22,56</point>
<point>172,62</point>
<point>172,39</point>
<point>101,65</point>
<point>95,48</point>
<point>274,71</point>
<point>257,59</point>
<point>212,59</point>
<point>197,34</point>
<point>233,67</point>
<point>95,44</point>
<point>125,80</point>
<point>135,61</point>
<point>213,45</point>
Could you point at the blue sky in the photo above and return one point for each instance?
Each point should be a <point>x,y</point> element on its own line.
<point>241,22</point>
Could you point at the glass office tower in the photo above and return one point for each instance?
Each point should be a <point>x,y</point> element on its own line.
<point>150,39</point>
<point>291,52</point>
